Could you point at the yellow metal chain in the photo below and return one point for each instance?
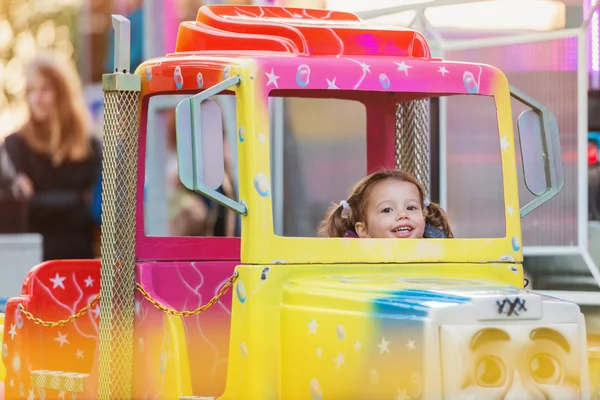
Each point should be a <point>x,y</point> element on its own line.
<point>62,321</point>
<point>146,295</point>
<point>198,310</point>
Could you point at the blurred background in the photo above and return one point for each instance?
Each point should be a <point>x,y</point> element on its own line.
<point>550,49</point>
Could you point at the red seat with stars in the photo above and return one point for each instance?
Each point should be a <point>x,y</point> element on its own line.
<point>52,291</point>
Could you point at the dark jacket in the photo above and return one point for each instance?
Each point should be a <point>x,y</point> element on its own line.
<point>58,209</point>
<point>8,175</point>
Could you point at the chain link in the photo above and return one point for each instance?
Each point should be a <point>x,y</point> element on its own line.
<point>61,322</point>
<point>224,289</point>
<point>198,310</point>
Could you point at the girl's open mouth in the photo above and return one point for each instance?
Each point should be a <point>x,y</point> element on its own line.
<point>402,231</point>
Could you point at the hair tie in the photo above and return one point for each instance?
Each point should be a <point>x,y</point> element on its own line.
<point>426,202</point>
<point>345,205</point>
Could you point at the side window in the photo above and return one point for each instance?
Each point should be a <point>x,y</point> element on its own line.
<point>474,180</point>
<point>169,208</point>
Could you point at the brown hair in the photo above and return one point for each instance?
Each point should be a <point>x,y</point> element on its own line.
<point>337,223</point>
<point>65,137</point>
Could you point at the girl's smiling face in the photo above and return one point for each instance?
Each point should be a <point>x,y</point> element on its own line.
<point>394,209</point>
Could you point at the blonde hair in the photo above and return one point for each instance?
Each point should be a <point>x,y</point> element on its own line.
<point>337,223</point>
<point>65,137</point>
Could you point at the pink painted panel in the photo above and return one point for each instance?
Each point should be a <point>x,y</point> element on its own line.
<point>187,286</point>
<point>376,73</point>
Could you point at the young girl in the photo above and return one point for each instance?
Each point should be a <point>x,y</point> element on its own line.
<point>387,204</point>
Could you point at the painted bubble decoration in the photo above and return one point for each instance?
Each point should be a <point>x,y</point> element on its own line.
<point>315,390</point>
<point>243,349</point>
<point>163,362</point>
<point>240,290</point>
<point>470,83</point>
<point>374,376</point>
<point>200,80</point>
<point>242,134</point>
<point>141,345</point>
<point>341,332</point>
<point>178,77</point>
<point>516,243</point>
<point>21,389</point>
<point>149,73</point>
<point>303,75</point>
<point>16,363</point>
<point>384,81</point>
<point>42,394</point>
<point>4,350</point>
<point>414,389</point>
<point>261,184</point>
<point>226,72</point>
<point>18,318</point>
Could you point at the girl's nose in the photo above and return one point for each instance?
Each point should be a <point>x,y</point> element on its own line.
<point>401,215</point>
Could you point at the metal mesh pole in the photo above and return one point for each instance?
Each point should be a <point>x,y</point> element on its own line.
<point>117,283</point>
<point>412,139</point>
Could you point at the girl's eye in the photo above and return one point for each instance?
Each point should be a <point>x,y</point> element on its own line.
<point>387,210</point>
<point>412,208</point>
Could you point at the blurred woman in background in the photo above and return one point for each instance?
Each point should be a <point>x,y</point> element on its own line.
<point>56,159</point>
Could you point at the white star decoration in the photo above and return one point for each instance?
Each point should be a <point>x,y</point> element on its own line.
<point>320,352</point>
<point>312,327</point>
<point>510,210</point>
<point>79,354</point>
<point>443,71</point>
<point>13,331</point>
<point>383,346</point>
<point>262,138</point>
<point>411,345</point>
<point>339,360</point>
<point>58,281</point>
<point>272,78</point>
<point>402,67</point>
<point>402,395</point>
<point>31,395</point>
<point>365,67</point>
<point>96,311</point>
<point>61,395</point>
<point>331,83</point>
<point>357,345</point>
<point>504,143</point>
<point>89,281</point>
<point>62,339</point>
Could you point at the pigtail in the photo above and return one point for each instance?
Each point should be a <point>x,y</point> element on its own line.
<point>438,218</point>
<point>335,224</point>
